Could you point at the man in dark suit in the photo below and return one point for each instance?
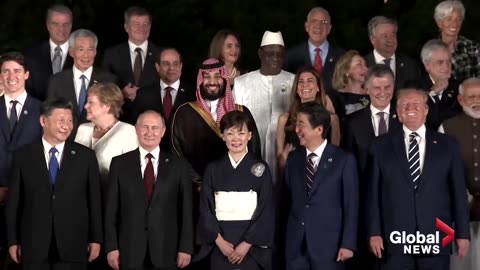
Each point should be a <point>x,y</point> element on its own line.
<point>50,57</point>
<point>165,96</point>
<point>54,218</point>
<point>72,84</point>
<point>322,185</point>
<point>438,83</point>
<point>417,176</point>
<point>19,114</point>
<point>382,32</point>
<point>133,62</point>
<point>148,219</point>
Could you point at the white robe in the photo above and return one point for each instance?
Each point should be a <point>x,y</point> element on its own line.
<point>121,138</point>
<point>267,97</point>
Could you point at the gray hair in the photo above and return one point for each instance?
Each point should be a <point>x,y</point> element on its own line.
<point>59,9</point>
<point>430,47</point>
<point>135,11</point>
<point>379,71</point>
<point>473,80</point>
<point>444,9</point>
<point>375,21</point>
<point>318,9</point>
<point>84,33</point>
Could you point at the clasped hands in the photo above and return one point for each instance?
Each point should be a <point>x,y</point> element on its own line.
<point>234,254</point>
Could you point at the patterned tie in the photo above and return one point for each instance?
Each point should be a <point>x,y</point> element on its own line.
<point>382,124</point>
<point>57,60</point>
<point>149,176</point>
<point>414,158</point>
<point>53,165</point>
<point>13,115</point>
<point>137,66</point>
<point>310,171</point>
<point>318,61</point>
<point>82,97</point>
<point>167,102</point>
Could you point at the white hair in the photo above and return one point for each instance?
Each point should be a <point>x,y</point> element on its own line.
<point>445,8</point>
<point>473,80</point>
<point>430,47</point>
<point>85,33</point>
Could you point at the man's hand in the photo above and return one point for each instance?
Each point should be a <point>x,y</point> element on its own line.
<point>130,91</point>
<point>462,247</point>
<point>183,259</point>
<point>93,250</point>
<point>3,194</point>
<point>344,254</point>
<point>113,258</point>
<point>239,253</point>
<point>376,245</point>
<point>225,247</point>
<point>440,85</point>
<point>15,252</point>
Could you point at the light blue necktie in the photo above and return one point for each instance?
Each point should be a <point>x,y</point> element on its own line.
<point>53,165</point>
<point>83,95</point>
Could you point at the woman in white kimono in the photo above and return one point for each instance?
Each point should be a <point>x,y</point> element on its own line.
<point>105,134</point>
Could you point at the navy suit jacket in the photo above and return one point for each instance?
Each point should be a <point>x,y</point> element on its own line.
<point>327,218</point>
<point>394,204</point>
<point>39,64</point>
<point>26,131</point>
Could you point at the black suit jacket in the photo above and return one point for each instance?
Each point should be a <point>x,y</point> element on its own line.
<point>406,69</point>
<point>39,64</point>
<point>448,106</point>
<point>149,98</point>
<point>117,60</point>
<point>71,210</point>
<point>165,225</point>
<point>62,85</point>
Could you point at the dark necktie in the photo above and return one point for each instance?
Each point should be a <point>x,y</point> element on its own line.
<point>57,60</point>
<point>414,159</point>
<point>53,165</point>
<point>317,64</point>
<point>387,61</point>
<point>149,176</point>
<point>167,102</point>
<point>436,98</point>
<point>137,66</point>
<point>310,172</point>
<point>382,124</point>
<point>13,115</point>
<point>82,97</point>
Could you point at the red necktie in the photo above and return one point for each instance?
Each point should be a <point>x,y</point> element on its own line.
<point>167,102</point>
<point>318,61</point>
<point>149,176</point>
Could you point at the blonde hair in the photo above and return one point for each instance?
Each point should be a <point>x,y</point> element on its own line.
<point>109,94</point>
<point>340,74</point>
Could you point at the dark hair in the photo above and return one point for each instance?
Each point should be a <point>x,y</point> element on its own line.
<point>317,116</point>
<point>164,49</point>
<point>216,45</point>
<point>136,11</point>
<point>378,70</point>
<point>236,119</point>
<point>49,105</point>
<point>14,56</point>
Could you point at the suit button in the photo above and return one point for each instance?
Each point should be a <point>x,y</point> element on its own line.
<point>475,150</point>
<point>53,197</point>
<point>303,224</point>
<point>474,136</point>
<point>475,164</point>
<point>475,179</point>
<point>307,206</point>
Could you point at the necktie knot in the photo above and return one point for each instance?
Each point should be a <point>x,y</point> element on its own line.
<point>58,50</point>
<point>387,61</point>
<point>138,50</point>
<point>13,103</point>
<point>168,89</point>
<point>311,157</point>
<point>149,156</point>
<point>413,136</point>
<point>318,50</point>
<point>381,114</point>
<point>83,77</point>
<point>53,151</point>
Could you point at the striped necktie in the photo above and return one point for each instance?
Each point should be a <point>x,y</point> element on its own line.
<point>414,159</point>
<point>310,172</point>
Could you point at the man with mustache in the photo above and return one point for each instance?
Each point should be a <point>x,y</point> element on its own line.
<point>465,127</point>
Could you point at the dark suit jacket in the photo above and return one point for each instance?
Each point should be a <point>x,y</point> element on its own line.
<point>39,64</point>
<point>395,205</point>
<point>149,98</point>
<point>62,85</point>
<point>327,218</point>
<point>117,60</point>
<point>26,131</point>
<point>359,133</point>
<point>406,69</point>
<point>165,225</point>
<point>71,210</point>
<point>448,106</point>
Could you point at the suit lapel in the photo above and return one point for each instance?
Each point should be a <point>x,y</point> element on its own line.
<point>399,64</point>
<point>162,174</point>
<point>22,117</point>
<point>70,84</point>
<point>432,150</point>
<point>126,61</point>
<point>137,176</point>
<point>401,153</point>
<point>46,57</point>
<point>41,164</point>
<point>149,62</point>
<point>68,157</point>
<point>4,125</point>
<point>306,56</point>
<point>370,59</point>
<point>180,98</point>
<point>323,167</point>
<point>366,122</point>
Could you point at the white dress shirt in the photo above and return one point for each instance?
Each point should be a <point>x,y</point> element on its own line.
<point>58,155</point>
<point>173,92</point>
<point>133,54</point>
<point>421,142</point>
<point>64,51</point>
<point>376,118</point>
<point>21,101</point>
<point>318,152</point>
<point>213,108</point>
<point>379,60</point>
<point>78,82</point>
<point>143,160</point>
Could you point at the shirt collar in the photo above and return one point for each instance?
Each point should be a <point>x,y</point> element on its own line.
<point>155,153</point>
<point>420,131</point>
<point>174,85</point>
<point>375,110</point>
<point>47,146</point>
<point>143,46</point>
<point>319,149</point>
<point>379,58</point>
<point>323,46</point>
<point>21,98</point>
<point>233,162</point>
<point>63,46</point>
<point>77,73</point>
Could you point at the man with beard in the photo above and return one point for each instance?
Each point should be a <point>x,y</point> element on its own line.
<point>465,128</point>
<point>196,134</point>
<point>266,92</point>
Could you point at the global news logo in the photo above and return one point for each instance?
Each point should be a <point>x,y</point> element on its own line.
<point>420,243</point>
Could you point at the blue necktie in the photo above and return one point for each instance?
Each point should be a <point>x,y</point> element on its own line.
<point>310,172</point>
<point>83,95</point>
<point>53,165</point>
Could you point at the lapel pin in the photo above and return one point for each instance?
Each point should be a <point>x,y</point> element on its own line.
<point>149,53</point>
<point>73,152</point>
<point>167,160</point>
<point>330,159</point>
<point>181,90</point>
<point>330,60</point>
<point>449,95</point>
<point>25,112</point>
<point>435,142</point>
<point>94,82</point>
<point>394,116</point>
<point>284,87</point>
<point>401,64</point>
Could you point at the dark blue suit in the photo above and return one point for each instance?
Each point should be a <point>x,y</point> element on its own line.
<point>321,223</point>
<point>395,205</point>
